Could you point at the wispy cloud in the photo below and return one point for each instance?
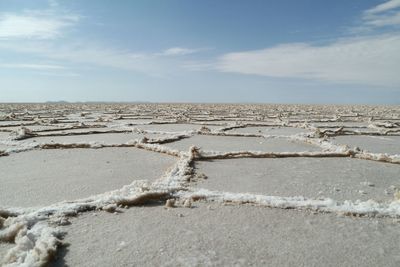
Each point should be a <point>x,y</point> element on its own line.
<point>58,74</point>
<point>178,51</point>
<point>32,66</point>
<point>158,64</point>
<point>386,6</point>
<point>97,55</point>
<point>36,33</point>
<point>386,14</point>
<point>53,3</point>
<point>35,24</point>
<point>373,60</point>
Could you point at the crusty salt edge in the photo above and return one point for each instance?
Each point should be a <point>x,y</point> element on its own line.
<point>181,172</point>
<point>368,208</point>
<point>249,125</point>
<point>386,129</point>
<point>6,130</point>
<point>95,145</point>
<point>386,125</point>
<point>222,132</point>
<point>332,126</point>
<point>382,133</point>
<point>169,139</point>
<point>231,127</point>
<point>378,157</point>
<point>34,247</point>
<point>152,146</point>
<point>23,133</point>
<point>139,192</point>
<point>229,134</point>
<point>320,142</point>
<point>202,123</point>
<point>162,122</point>
<point>207,121</point>
<point>321,120</point>
<point>168,184</point>
<point>145,131</point>
<point>26,133</point>
<point>65,128</point>
<point>207,155</point>
<point>20,124</point>
<point>36,242</point>
<point>328,146</point>
<point>174,177</point>
<point>110,131</point>
<point>172,136</point>
<point>17,147</point>
<point>330,149</point>
<point>341,131</point>
<point>301,137</point>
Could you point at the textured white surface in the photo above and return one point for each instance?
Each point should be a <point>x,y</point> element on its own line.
<point>280,184</point>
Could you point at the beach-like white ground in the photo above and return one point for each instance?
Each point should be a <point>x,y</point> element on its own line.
<point>199,185</point>
<point>217,235</point>
<point>34,178</point>
<point>337,178</point>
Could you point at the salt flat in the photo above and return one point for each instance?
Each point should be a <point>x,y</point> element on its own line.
<point>174,127</point>
<point>4,135</point>
<point>215,235</point>
<point>270,130</point>
<point>110,138</point>
<point>199,185</point>
<point>38,178</point>
<point>337,178</point>
<point>234,143</point>
<point>375,144</point>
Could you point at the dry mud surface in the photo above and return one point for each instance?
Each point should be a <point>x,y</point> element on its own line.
<point>199,185</point>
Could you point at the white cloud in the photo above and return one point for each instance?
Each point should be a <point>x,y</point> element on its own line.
<point>389,5</point>
<point>53,3</point>
<point>39,30</point>
<point>392,19</point>
<point>89,54</point>
<point>35,24</point>
<point>178,51</point>
<point>386,14</point>
<point>58,74</point>
<point>373,60</point>
<point>157,64</point>
<point>32,66</point>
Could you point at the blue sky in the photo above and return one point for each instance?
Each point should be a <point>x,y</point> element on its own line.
<point>275,51</point>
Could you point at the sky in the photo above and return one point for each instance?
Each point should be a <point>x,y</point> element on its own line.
<point>258,51</point>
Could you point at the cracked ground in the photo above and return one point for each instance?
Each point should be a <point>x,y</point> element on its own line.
<point>199,185</point>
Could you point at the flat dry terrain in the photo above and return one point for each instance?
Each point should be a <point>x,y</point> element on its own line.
<point>199,185</point>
